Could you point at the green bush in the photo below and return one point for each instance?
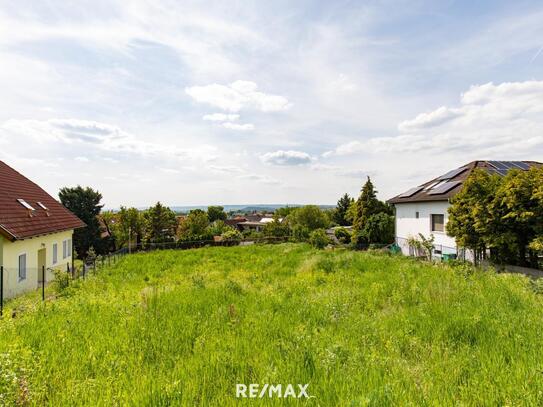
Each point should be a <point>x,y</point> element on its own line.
<point>343,235</point>
<point>232,236</point>
<point>300,233</point>
<point>319,239</point>
<point>62,281</point>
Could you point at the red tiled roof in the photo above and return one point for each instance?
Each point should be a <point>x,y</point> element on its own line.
<point>16,221</point>
<point>422,193</point>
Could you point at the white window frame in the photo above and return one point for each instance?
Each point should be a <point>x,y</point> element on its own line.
<point>432,222</point>
<point>55,253</point>
<point>66,248</point>
<point>25,204</point>
<point>22,278</point>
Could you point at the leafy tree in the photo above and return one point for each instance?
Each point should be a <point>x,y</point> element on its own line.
<point>343,235</point>
<point>129,226</point>
<point>216,213</point>
<point>309,217</point>
<point>319,239</point>
<point>160,224</point>
<point>300,233</point>
<point>517,216</point>
<point>470,217</point>
<point>366,206</point>
<point>285,211</point>
<point>378,229</point>
<point>195,226</point>
<point>503,215</point>
<point>231,236</point>
<point>340,215</point>
<point>85,204</point>
<point>276,228</point>
<point>218,227</point>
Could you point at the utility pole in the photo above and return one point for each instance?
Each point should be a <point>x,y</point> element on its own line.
<point>129,239</point>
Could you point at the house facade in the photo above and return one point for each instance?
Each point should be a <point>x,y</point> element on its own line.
<point>35,233</point>
<point>424,208</point>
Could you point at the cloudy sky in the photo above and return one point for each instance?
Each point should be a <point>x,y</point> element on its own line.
<point>265,102</point>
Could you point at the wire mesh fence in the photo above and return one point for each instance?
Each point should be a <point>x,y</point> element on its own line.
<point>439,251</point>
<point>17,280</point>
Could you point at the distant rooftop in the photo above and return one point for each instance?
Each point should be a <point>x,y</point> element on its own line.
<point>447,185</point>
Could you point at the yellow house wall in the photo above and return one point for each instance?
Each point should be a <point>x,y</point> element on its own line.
<point>10,252</point>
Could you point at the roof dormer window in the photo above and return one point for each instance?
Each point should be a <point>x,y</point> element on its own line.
<point>42,206</point>
<point>25,204</point>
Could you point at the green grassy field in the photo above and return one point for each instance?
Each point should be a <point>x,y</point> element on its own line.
<point>363,329</point>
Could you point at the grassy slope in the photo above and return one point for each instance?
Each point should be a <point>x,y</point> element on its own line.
<point>183,327</point>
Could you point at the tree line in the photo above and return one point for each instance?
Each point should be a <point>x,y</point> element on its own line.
<point>361,223</point>
<point>500,218</point>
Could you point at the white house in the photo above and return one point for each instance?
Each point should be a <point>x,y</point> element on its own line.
<point>423,209</point>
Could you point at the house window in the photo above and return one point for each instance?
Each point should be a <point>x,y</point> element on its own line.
<point>438,222</point>
<point>55,253</point>
<point>22,267</point>
<point>66,248</point>
<point>26,204</point>
<point>416,215</point>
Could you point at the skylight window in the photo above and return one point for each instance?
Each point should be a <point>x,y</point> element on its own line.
<point>42,206</point>
<point>25,204</point>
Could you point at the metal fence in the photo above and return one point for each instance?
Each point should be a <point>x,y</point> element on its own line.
<point>93,265</point>
<point>439,252</point>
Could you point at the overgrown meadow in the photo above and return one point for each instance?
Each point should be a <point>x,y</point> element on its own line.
<point>363,329</point>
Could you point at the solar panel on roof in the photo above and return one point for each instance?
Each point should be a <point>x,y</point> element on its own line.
<point>410,192</point>
<point>502,167</point>
<point>522,165</point>
<point>447,186</point>
<point>498,165</point>
<point>453,173</point>
<point>507,164</point>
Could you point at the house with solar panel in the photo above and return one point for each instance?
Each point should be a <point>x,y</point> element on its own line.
<point>35,233</point>
<point>423,209</point>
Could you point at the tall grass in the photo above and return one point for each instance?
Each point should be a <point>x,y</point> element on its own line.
<point>363,329</point>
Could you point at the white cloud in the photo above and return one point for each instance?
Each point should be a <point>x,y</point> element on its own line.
<point>239,95</point>
<point>225,169</point>
<point>102,136</point>
<point>261,179</point>
<point>504,121</point>
<point>221,117</point>
<point>431,119</point>
<point>236,126</point>
<point>341,171</point>
<point>169,170</point>
<point>82,159</point>
<point>289,157</point>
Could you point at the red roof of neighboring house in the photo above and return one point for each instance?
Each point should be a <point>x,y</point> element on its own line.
<point>18,222</point>
<point>449,184</point>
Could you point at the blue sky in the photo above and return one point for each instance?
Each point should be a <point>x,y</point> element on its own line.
<point>248,102</point>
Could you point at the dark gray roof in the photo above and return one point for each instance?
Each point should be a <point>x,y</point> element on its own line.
<point>446,186</point>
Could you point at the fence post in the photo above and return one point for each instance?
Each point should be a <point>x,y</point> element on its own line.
<point>43,283</point>
<point>1,290</point>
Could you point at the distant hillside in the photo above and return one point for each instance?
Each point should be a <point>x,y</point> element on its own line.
<point>244,208</point>
<point>235,208</point>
